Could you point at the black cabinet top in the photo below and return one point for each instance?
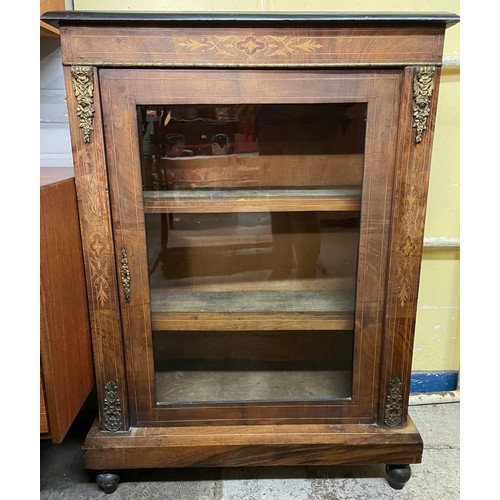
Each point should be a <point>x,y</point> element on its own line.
<point>60,18</point>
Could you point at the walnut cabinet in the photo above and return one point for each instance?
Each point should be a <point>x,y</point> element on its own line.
<point>252,195</point>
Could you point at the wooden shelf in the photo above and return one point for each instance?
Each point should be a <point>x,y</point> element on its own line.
<point>251,321</point>
<point>188,386</point>
<point>346,198</point>
<point>244,309</point>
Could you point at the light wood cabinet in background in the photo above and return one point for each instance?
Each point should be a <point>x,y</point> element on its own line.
<point>47,30</point>
<point>66,366</point>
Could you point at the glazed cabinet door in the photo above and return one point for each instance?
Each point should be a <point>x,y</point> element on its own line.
<point>251,215</point>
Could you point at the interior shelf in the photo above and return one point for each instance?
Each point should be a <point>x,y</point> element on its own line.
<point>345,198</point>
<point>275,307</point>
<point>203,321</point>
<point>252,385</point>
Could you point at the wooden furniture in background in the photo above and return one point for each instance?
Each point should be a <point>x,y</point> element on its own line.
<point>66,367</point>
<point>356,323</point>
<point>47,30</point>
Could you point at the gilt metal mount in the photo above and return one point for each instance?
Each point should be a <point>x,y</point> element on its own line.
<point>83,86</point>
<point>112,410</point>
<point>423,86</point>
<point>125,276</point>
<point>394,404</point>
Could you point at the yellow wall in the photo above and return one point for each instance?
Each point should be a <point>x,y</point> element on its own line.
<point>437,332</point>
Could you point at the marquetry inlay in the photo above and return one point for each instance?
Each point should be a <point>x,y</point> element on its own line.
<point>98,246</point>
<point>250,45</point>
<point>408,245</point>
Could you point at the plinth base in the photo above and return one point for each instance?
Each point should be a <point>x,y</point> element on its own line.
<point>251,445</point>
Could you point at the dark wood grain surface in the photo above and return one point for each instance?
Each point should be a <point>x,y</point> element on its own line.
<point>240,446</point>
<point>407,236</point>
<point>98,248</point>
<point>234,46</point>
<point>193,59</point>
<point>122,90</point>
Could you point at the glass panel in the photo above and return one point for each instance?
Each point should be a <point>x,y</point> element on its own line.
<point>253,262</point>
<point>252,222</point>
<point>250,146</point>
<point>252,366</point>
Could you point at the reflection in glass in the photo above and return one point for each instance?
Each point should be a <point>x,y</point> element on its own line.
<point>256,146</point>
<point>266,261</point>
<point>257,366</point>
<point>234,235</point>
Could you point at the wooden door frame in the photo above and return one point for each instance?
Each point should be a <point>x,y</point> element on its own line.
<point>121,91</point>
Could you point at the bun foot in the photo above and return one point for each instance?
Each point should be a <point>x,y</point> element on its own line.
<point>107,481</point>
<point>398,475</point>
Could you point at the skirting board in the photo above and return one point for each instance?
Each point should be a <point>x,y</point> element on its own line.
<point>434,387</point>
<point>433,381</point>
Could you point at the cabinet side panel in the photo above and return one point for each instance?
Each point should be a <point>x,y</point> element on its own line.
<point>405,253</point>
<point>98,248</point>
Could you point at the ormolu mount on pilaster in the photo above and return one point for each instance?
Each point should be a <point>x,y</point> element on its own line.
<point>125,276</point>
<point>423,85</point>
<point>83,85</point>
<point>111,411</point>
<point>394,404</point>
